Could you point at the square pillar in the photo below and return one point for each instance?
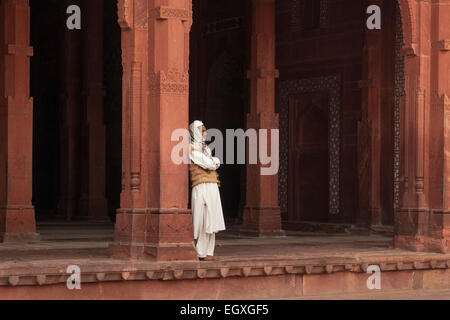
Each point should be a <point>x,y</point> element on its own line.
<point>262,215</point>
<point>423,221</point>
<point>154,221</point>
<point>17,217</point>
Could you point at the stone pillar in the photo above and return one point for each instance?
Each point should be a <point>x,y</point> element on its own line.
<point>17,219</point>
<point>439,194</point>
<point>422,222</point>
<point>154,221</point>
<point>93,204</point>
<point>262,212</point>
<point>70,119</point>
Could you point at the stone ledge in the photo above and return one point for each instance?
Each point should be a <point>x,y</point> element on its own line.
<point>94,273</point>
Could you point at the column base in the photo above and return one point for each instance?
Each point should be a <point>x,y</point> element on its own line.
<point>126,251</point>
<point>162,252</point>
<point>171,252</point>
<point>422,244</point>
<point>422,230</point>
<point>6,237</point>
<point>18,224</point>
<point>262,221</point>
<point>410,243</point>
<point>129,234</point>
<point>154,234</point>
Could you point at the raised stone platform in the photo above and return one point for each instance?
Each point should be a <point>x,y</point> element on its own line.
<point>298,265</point>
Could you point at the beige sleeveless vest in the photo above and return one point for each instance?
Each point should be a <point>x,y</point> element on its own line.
<point>200,175</point>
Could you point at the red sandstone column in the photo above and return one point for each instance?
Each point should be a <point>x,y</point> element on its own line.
<point>417,137</point>
<point>70,120</point>
<point>17,220</point>
<point>154,221</point>
<point>262,212</point>
<point>439,136</point>
<point>131,218</point>
<point>93,202</point>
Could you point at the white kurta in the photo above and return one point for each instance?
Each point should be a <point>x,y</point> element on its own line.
<point>206,207</point>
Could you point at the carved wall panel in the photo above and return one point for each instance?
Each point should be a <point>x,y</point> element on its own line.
<point>293,87</point>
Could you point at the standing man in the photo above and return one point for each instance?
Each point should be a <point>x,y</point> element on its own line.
<point>206,205</point>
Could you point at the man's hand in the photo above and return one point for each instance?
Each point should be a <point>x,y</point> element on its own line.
<point>217,162</point>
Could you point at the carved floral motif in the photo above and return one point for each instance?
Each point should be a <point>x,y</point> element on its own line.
<point>171,82</point>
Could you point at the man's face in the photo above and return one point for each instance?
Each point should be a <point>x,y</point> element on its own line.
<point>203,131</point>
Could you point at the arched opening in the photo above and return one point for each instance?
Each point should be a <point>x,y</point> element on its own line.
<point>308,158</point>
<point>323,49</point>
<point>361,74</point>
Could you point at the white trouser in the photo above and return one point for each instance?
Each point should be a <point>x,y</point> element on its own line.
<point>207,217</point>
<point>205,244</point>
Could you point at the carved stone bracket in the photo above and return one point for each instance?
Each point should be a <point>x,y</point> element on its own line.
<point>132,14</point>
<point>164,13</point>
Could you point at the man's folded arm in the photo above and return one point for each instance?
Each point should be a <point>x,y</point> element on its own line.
<point>203,161</point>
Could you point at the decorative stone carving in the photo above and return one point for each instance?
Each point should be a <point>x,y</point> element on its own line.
<point>217,270</point>
<point>163,13</point>
<point>171,82</point>
<point>398,96</point>
<point>135,125</point>
<point>293,87</point>
<point>364,168</point>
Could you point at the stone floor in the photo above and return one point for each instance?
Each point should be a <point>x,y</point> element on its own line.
<point>90,241</point>
<point>78,240</point>
<point>299,265</point>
